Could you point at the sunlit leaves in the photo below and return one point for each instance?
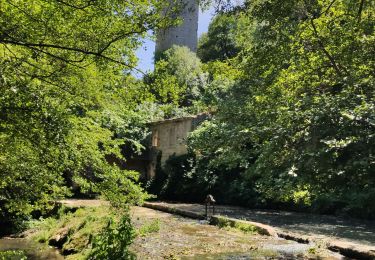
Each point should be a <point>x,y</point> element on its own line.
<point>304,101</point>
<point>67,100</point>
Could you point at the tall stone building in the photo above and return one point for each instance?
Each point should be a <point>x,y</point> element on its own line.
<point>185,34</point>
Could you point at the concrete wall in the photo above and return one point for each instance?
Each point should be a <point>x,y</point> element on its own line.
<point>169,137</point>
<point>186,34</point>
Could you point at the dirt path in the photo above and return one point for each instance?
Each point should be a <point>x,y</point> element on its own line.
<point>83,202</point>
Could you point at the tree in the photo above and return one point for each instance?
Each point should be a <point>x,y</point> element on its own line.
<point>67,99</point>
<point>299,119</point>
<point>221,75</point>
<point>178,78</point>
<point>219,43</point>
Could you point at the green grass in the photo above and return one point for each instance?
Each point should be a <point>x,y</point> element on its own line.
<point>12,255</point>
<point>244,227</point>
<point>82,225</point>
<point>312,250</point>
<point>150,227</point>
<point>247,228</point>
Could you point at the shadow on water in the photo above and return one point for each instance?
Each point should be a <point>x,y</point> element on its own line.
<point>33,250</point>
<point>274,250</point>
<point>237,256</point>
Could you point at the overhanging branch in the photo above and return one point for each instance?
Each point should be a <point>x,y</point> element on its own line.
<point>326,53</point>
<point>99,54</point>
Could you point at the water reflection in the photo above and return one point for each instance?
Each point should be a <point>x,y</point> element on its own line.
<point>33,250</point>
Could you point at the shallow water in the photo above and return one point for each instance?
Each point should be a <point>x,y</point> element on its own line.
<point>289,248</point>
<point>33,250</point>
<point>226,256</point>
<point>188,239</point>
<point>238,256</point>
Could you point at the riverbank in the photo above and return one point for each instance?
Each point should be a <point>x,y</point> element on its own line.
<point>351,237</point>
<point>67,235</point>
<point>185,238</point>
<point>161,235</point>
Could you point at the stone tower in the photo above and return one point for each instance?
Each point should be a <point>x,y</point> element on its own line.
<point>186,34</point>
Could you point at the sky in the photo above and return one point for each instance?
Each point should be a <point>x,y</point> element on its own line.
<point>145,54</point>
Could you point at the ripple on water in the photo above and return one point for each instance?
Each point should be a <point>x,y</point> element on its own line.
<point>222,256</point>
<point>238,256</point>
<point>290,248</point>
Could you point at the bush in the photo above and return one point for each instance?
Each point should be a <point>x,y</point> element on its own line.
<point>186,178</point>
<point>190,178</point>
<point>176,180</point>
<point>114,240</point>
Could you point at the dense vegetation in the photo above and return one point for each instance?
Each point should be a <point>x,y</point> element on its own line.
<point>290,86</point>
<point>68,100</point>
<point>295,125</point>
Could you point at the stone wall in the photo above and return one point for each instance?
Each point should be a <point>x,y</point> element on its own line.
<point>169,138</point>
<point>186,34</point>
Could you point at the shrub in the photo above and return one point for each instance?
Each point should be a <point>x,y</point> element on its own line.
<point>114,240</point>
<point>12,255</point>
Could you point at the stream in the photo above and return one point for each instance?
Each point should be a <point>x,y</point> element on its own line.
<point>175,237</point>
<point>32,250</point>
<point>37,251</point>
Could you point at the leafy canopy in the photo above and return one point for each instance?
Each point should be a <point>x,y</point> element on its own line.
<point>219,43</point>
<point>299,121</point>
<point>67,99</point>
<point>178,80</point>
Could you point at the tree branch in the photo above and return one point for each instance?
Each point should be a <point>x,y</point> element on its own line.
<point>22,11</point>
<point>361,4</point>
<point>120,37</point>
<point>329,7</point>
<point>89,3</point>
<point>99,54</point>
<point>329,56</point>
<point>52,46</point>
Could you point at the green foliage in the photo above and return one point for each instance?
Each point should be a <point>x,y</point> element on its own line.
<point>178,77</point>
<point>67,98</point>
<point>181,84</point>
<point>114,240</point>
<point>223,222</point>
<point>298,123</point>
<point>219,43</point>
<point>312,250</point>
<point>175,181</point>
<point>151,227</point>
<point>97,232</point>
<point>190,178</point>
<point>246,228</point>
<point>12,255</point>
<point>221,75</point>
<point>82,225</point>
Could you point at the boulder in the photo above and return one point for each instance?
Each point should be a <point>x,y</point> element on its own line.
<point>59,238</point>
